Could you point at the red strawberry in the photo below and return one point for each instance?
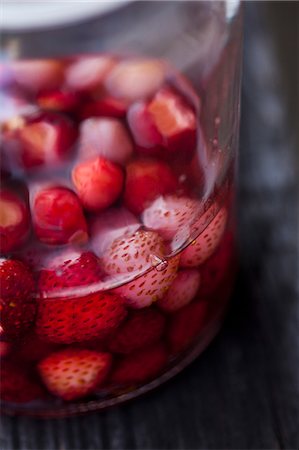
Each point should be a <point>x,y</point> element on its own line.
<point>14,221</point>
<point>186,325</point>
<point>77,319</point>
<point>74,373</point>
<point>206,242</point>
<point>17,304</point>
<point>214,270</point>
<point>46,139</point>
<point>104,107</point>
<point>98,183</point>
<point>58,100</point>
<point>143,128</point>
<point>104,137</point>
<point>182,291</point>
<point>135,79</point>
<point>174,119</point>
<point>58,217</point>
<point>110,225</point>
<point>142,328</point>
<point>140,366</point>
<point>38,74</point>
<point>88,73</point>
<point>147,179</point>
<point>18,384</point>
<point>133,255</point>
<point>68,269</point>
<point>172,216</point>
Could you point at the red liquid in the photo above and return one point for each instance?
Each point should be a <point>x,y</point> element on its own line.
<point>117,236</point>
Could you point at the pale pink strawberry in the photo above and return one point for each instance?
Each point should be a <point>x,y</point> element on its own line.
<point>74,373</point>
<point>135,254</point>
<point>105,137</point>
<point>135,79</point>
<point>170,215</point>
<point>182,291</point>
<point>202,247</point>
<point>88,73</point>
<point>110,225</point>
<point>37,74</point>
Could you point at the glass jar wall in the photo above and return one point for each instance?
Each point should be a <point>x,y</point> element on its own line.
<point>118,150</point>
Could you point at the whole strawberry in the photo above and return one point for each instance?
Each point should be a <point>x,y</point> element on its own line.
<point>143,328</point>
<point>79,319</point>
<point>17,304</point>
<point>74,373</point>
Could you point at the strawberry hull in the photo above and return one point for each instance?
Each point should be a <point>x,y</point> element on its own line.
<point>117,249</point>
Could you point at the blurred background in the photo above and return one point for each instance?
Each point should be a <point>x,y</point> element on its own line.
<point>243,392</point>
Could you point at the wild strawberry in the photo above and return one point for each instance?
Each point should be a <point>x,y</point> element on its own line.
<point>69,268</point>
<point>14,221</point>
<point>38,74</point>
<point>78,319</point>
<point>104,107</point>
<point>74,373</point>
<point>206,242</point>
<point>58,100</point>
<point>135,79</point>
<point>182,291</point>
<point>19,384</point>
<point>110,225</point>
<point>146,179</point>
<point>45,139</point>
<point>133,255</point>
<point>17,304</point>
<point>141,329</point>
<point>58,217</point>
<point>186,325</point>
<point>171,216</point>
<point>88,73</point>
<point>98,183</point>
<point>104,137</point>
<point>174,119</point>
<point>140,366</point>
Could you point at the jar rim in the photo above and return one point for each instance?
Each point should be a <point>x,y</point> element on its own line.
<point>31,15</point>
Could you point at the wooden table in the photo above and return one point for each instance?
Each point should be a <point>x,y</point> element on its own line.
<point>244,390</point>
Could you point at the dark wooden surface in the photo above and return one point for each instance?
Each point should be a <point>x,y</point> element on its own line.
<point>243,392</point>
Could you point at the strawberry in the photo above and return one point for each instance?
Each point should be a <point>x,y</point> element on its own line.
<point>142,127</point>
<point>182,291</point>
<point>147,179</point>
<point>14,221</point>
<point>104,107</point>
<point>46,139</point>
<point>140,366</point>
<point>204,245</point>
<point>88,73</point>
<point>68,269</point>
<point>57,216</point>
<point>174,120</point>
<point>74,373</point>
<point>135,79</point>
<point>38,74</point>
<point>5,349</point>
<point>141,329</point>
<point>104,137</point>
<point>98,183</point>
<point>58,100</point>
<point>77,319</point>
<point>135,254</point>
<point>214,270</point>
<point>19,384</point>
<point>17,304</point>
<point>110,225</point>
<point>171,216</point>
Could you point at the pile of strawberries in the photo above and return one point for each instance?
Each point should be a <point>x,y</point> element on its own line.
<point>109,258</point>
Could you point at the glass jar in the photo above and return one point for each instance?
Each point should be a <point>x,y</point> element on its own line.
<point>119,137</point>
